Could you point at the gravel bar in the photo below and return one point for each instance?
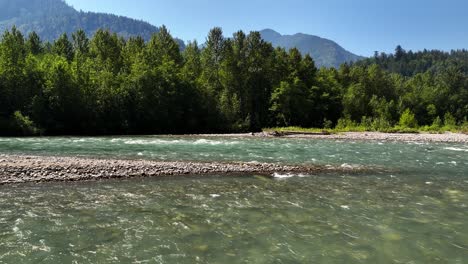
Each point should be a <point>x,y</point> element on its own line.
<point>23,169</point>
<point>375,136</point>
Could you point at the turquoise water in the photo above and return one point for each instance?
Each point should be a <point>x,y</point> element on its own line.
<point>415,210</point>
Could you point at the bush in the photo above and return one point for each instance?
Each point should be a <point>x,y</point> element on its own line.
<point>381,124</point>
<point>464,127</point>
<point>437,124</point>
<point>346,125</point>
<point>403,130</point>
<point>327,124</point>
<point>408,120</point>
<point>431,111</point>
<point>22,125</point>
<point>449,121</point>
<point>366,122</point>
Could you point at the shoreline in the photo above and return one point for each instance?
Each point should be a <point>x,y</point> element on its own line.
<point>17,169</point>
<point>447,137</point>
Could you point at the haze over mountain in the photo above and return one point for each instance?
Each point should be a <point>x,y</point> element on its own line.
<point>324,51</point>
<point>52,18</point>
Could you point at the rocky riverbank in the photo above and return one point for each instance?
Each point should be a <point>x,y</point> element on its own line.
<point>416,137</point>
<point>420,137</point>
<point>22,169</point>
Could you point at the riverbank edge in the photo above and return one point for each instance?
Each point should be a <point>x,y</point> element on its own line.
<point>447,137</point>
<point>17,169</point>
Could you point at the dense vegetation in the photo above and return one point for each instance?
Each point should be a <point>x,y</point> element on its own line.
<point>113,85</point>
<point>326,53</point>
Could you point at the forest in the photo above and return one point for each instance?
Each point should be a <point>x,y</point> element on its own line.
<point>108,84</point>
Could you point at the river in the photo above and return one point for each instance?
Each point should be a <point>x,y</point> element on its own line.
<point>412,210</point>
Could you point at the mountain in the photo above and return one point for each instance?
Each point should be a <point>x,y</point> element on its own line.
<point>51,18</point>
<point>325,52</point>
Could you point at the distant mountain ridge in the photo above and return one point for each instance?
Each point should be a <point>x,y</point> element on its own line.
<point>324,51</point>
<point>51,18</point>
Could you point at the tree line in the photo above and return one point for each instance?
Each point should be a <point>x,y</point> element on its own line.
<point>110,85</point>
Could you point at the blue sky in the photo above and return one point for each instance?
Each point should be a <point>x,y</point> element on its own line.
<point>360,26</point>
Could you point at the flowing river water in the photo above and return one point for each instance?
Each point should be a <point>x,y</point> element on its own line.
<point>413,210</point>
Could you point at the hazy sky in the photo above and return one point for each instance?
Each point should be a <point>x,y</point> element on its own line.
<point>361,26</point>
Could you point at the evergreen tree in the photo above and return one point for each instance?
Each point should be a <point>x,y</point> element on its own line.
<point>63,47</point>
<point>34,44</point>
<point>111,85</point>
<point>80,42</point>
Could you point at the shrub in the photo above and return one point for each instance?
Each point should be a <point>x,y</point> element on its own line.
<point>366,122</point>
<point>345,123</point>
<point>437,124</point>
<point>327,124</point>
<point>408,120</point>
<point>381,124</point>
<point>449,121</point>
<point>23,125</point>
<point>464,127</point>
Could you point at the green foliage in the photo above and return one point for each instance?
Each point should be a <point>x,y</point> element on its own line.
<point>381,124</point>
<point>112,85</point>
<point>17,125</point>
<point>23,125</point>
<point>366,124</point>
<point>437,123</point>
<point>464,127</point>
<point>63,47</point>
<point>449,121</point>
<point>327,124</point>
<point>408,119</point>
<point>290,103</point>
<point>34,44</point>
<point>348,125</point>
<point>162,47</point>
<point>408,63</point>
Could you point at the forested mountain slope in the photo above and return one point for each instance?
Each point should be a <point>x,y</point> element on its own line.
<point>409,63</point>
<point>51,18</point>
<point>325,52</point>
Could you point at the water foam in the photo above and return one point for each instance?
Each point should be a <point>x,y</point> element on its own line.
<point>456,149</point>
<point>348,166</point>
<point>151,142</point>
<point>214,142</point>
<point>280,176</point>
